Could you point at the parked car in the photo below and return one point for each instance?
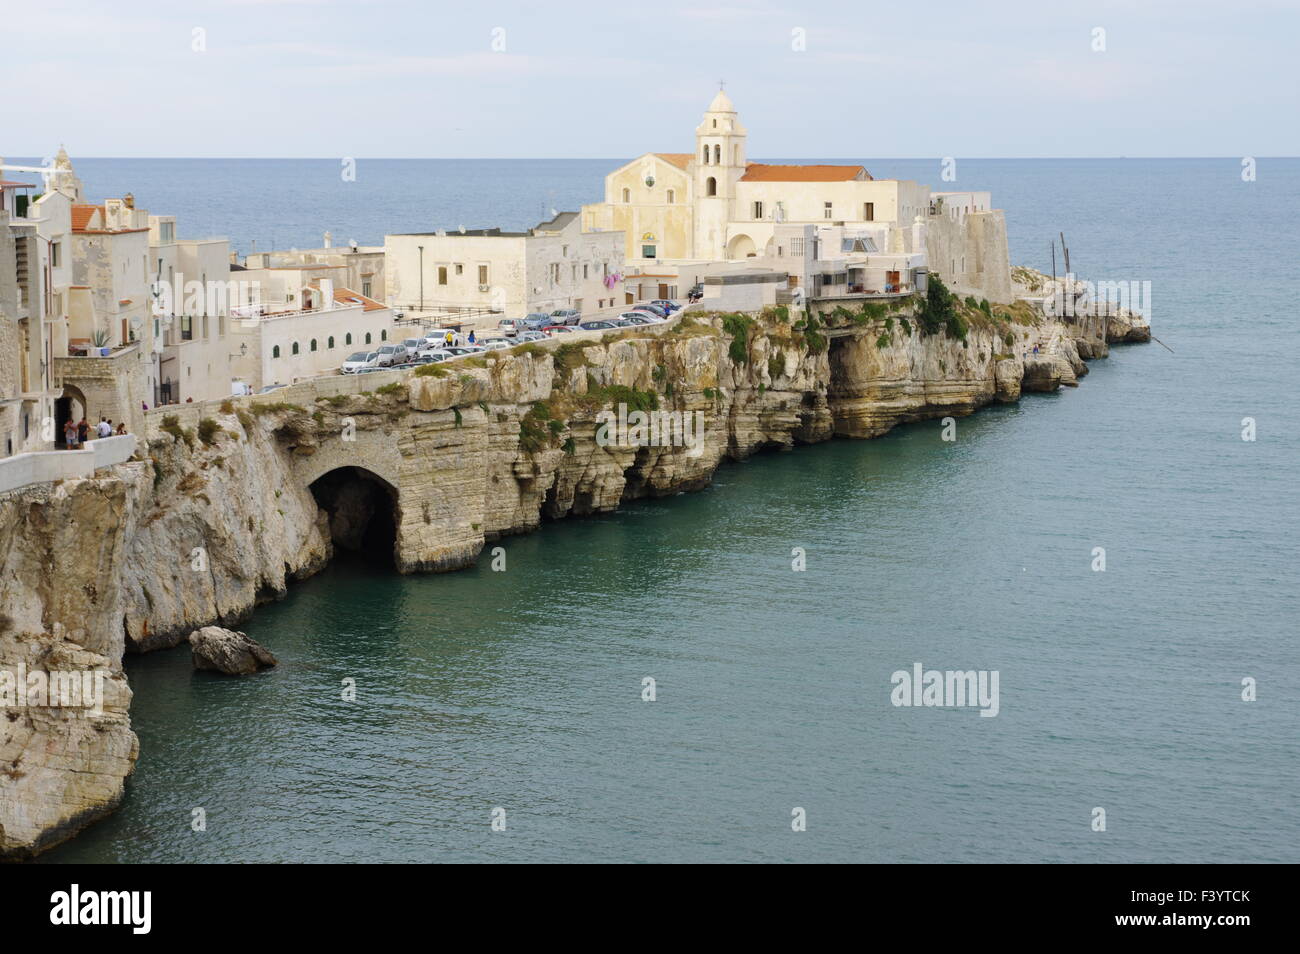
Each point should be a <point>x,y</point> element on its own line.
<point>599,325</point>
<point>652,308</point>
<point>271,387</point>
<point>530,336</point>
<point>359,360</point>
<point>654,318</point>
<point>565,316</point>
<point>496,344</point>
<point>537,320</point>
<point>509,326</point>
<point>435,354</point>
<point>413,346</point>
<point>557,330</point>
<point>437,337</point>
<point>370,370</point>
<point>667,305</point>
<point>639,319</point>
<point>391,354</point>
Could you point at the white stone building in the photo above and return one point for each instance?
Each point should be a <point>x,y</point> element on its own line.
<point>678,210</point>
<point>553,265</point>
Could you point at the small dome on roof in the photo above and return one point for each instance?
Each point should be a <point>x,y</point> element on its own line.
<point>721,103</point>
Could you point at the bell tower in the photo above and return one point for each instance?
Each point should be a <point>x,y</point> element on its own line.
<point>719,164</point>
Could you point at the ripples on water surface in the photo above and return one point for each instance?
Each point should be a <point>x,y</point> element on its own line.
<point>1118,689</point>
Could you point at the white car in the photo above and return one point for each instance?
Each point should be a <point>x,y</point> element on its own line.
<point>437,337</point>
<point>359,360</point>
<point>413,346</point>
<point>496,344</point>
<point>641,317</point>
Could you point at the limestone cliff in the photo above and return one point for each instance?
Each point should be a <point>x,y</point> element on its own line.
<point>229,502</point>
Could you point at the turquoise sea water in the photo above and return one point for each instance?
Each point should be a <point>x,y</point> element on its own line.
<point>522,689</point>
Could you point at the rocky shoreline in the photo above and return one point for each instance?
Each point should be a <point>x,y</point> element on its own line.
<point>205,526</point>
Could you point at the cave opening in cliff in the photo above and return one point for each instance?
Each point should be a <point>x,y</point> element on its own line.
<point>362,509</point>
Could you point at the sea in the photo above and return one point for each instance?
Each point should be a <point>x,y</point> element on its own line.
<point>663,685</point>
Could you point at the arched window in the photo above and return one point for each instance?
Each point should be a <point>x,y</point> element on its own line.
<point>671,197</point>
<point>313,344</point>
<point>367,337</point>
<point>717,155</point>
<point>330,343</point>
<point>275,352</point>
<point>383,334</point>
<point>295,347</point>
<point>627,195</point>
<point>711,186</point>
<point>706,153</point>
<point>348,339</point>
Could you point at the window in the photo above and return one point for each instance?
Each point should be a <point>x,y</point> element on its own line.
<point>56,254</point>
<point>329,342</point>
<point>367,337</point>
<point>758,210</point>
<point>585,273</point>
<point>647,251</point>
<point>555,273</point>
<point>796,246</point>
<point>383,334</point>
<point>275,352</point>
<point>482,274</point>
<point>717,155</point>
<point>711,186</point>
<point>313,344</point>
<point>365,287</point>
<point>672,196</point>
<point>868,211</point>
<point>627,196</point>
<point>295,347</point>
<point>715,124</point>
<point>442,274</point>
<point>826,210</point>
<point>348,340</point>
<point>187,328</point>
<point>706,154</point>
<point>460,269</point>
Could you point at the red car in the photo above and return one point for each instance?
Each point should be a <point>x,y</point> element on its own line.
<point>552,330</point>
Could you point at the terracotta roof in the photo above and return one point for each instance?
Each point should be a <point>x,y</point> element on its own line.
<point>760,172</point>
<point>346,296</point>
<point>678,159</point>
<point>81,216</point>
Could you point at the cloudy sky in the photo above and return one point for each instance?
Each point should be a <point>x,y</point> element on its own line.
<point>392,78</point>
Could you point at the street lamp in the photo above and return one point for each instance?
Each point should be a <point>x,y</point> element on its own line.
<point>421,248</point>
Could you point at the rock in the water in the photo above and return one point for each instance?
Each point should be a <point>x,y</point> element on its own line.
<point>1042,373</point>
<point>223,650</point>
<point>1007,374</point>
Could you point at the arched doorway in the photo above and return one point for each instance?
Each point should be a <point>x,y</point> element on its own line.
<point>71,406</point>
<point>363,512</point>
<point>740,246</point>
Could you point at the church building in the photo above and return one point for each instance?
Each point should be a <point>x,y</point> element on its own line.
<point>713,205</point>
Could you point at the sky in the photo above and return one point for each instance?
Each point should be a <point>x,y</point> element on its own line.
<point>392,78</point>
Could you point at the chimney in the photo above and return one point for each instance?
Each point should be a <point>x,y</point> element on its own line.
<point>129,200</point>
<point>326,292</point>
<point>329,240</point>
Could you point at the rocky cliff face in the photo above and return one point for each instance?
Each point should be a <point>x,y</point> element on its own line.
<point>214,519</point>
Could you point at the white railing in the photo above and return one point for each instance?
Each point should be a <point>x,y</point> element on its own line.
<point>37,467</point>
